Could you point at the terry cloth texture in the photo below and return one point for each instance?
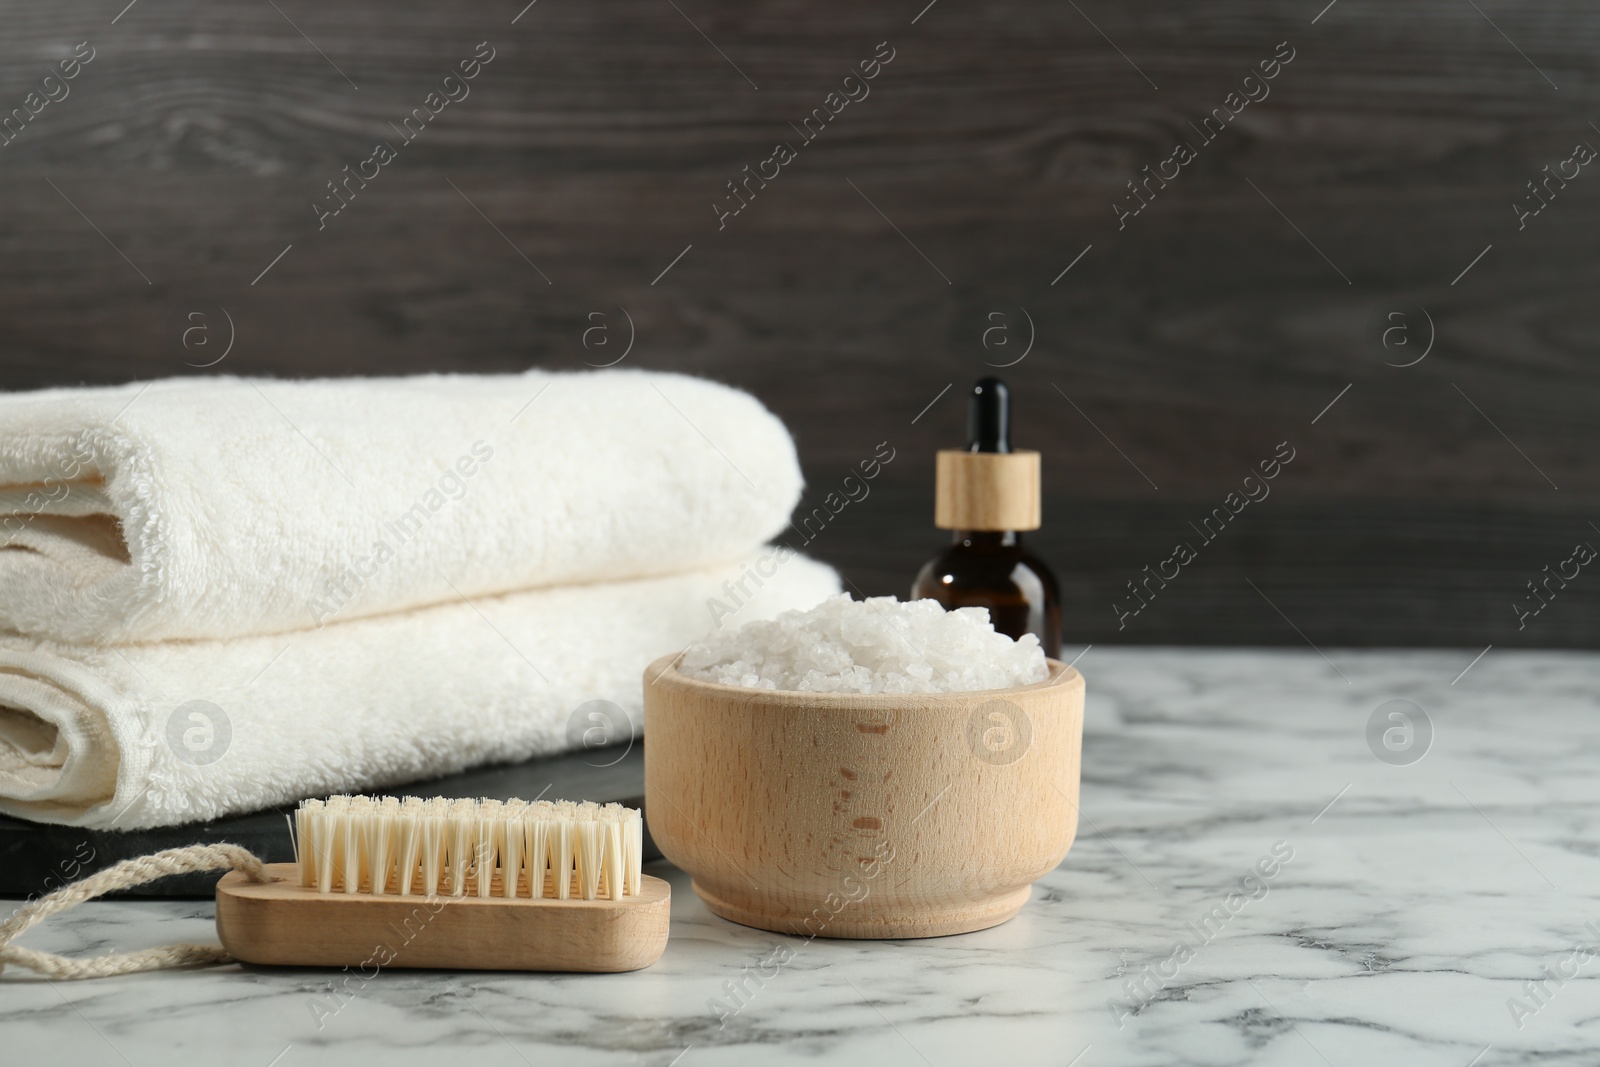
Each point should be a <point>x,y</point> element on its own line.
<point>211,508</point>
<point>173,732</point>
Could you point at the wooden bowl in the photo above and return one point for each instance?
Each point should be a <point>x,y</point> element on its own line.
<point>883,816</point>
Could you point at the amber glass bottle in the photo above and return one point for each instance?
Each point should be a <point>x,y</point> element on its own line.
<point>988,495</point>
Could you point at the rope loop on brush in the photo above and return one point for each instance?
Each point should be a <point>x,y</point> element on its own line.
<point>124,875</point>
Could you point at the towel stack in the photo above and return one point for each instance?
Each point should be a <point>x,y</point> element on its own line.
<point>221,594</point>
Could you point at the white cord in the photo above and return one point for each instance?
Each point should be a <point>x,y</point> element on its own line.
<point>124,875</point>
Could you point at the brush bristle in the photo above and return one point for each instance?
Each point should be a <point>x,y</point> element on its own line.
<point>550,849</point>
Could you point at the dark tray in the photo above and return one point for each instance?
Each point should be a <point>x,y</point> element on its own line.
<point>37,857</point>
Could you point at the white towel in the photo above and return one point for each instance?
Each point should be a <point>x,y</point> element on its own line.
<point>158,734</point>
<point>218,507</point>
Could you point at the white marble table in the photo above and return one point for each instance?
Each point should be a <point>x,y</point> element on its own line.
<point>1409,909</point>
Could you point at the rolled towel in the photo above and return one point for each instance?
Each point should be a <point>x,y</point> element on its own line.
<point>153,735</point>
<point>219,507</point>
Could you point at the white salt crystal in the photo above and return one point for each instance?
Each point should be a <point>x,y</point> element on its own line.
<point>878,645</point>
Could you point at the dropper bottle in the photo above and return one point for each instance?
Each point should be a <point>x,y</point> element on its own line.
<point>988,495</point>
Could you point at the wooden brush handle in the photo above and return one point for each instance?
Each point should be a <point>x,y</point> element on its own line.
<point>280,922</point>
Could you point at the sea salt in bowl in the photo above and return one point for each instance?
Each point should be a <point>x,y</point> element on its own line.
<point>864,815</point>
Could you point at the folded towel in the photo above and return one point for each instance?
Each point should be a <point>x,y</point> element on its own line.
<point>152,735</point>
<point>217,507</point>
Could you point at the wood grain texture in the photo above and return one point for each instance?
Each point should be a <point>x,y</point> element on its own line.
<point>1176,353</point>
<point>1386,573</point>
<point>847,815</point>
<point>283,924</point>
<point>986,490</point>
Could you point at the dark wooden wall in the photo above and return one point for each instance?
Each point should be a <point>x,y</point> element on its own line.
<point>1221,321</point>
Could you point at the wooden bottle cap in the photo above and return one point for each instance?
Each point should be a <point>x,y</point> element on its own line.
<point>986,490</point>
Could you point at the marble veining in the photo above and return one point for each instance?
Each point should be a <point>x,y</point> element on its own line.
<point>1410,908</point>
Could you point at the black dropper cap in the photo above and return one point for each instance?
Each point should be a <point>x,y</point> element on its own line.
<point>989,417</point>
